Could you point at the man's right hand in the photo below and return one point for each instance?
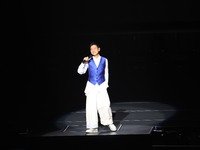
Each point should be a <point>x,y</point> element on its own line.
<point>86,59</point>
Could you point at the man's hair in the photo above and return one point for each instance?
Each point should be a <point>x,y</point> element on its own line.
<point>94,43</point>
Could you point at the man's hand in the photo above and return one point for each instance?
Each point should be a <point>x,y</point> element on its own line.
<point>86,59</point>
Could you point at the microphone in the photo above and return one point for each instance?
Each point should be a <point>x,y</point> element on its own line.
<point>90,57</point>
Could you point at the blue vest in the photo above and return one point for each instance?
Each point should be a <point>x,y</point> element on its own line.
<point>96,74</point>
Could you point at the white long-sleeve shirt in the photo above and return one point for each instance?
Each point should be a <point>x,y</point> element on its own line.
<point>89,86</point>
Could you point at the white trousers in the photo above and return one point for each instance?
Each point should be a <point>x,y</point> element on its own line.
<point>98,106</point>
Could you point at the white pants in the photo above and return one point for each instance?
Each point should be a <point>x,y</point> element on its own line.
<point>98,102</point>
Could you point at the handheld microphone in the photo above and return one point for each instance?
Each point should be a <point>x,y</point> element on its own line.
<point>90,57</point>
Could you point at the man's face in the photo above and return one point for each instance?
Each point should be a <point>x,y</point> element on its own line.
<point>94,50</point>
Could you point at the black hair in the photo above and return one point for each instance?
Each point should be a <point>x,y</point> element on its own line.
<point>94,43</point>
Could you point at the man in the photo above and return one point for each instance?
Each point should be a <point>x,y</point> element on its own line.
<point>97,98</point>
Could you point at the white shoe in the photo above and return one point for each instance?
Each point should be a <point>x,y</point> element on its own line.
<point>92,130</point>
<point>112,127</point>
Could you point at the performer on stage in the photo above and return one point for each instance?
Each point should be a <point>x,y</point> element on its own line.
<point>97,98</point>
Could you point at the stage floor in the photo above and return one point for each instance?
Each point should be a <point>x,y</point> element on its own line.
<point>130,118</point>
<point>144,124</point>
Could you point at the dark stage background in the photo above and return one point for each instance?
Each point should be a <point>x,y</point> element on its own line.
<point>152,47</point>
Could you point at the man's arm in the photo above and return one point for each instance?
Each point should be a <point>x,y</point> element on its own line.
<point>106,73</point>
<point>82,68</point>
